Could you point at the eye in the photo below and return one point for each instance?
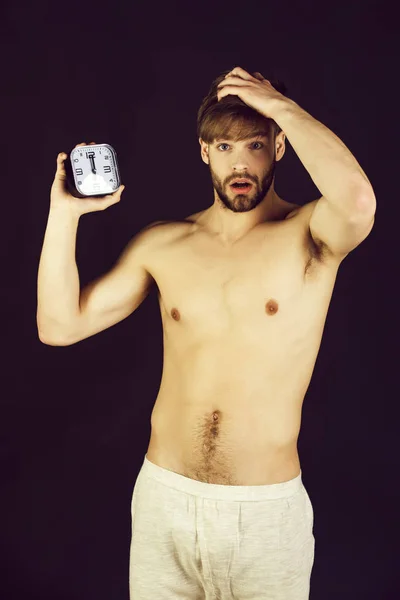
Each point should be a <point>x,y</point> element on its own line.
<point>260,144</point>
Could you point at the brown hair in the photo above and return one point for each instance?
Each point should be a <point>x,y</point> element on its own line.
<point>232,118</point>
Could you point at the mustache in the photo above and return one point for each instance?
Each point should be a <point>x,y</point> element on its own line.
<point>245,177</point>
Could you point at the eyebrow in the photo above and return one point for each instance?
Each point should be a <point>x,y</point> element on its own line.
<point>250,137</point>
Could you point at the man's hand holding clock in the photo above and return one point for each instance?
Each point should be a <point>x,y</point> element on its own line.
<point>60,196</point>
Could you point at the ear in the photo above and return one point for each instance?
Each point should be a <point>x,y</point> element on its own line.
<point>280,146</point>
<point>204,151</point>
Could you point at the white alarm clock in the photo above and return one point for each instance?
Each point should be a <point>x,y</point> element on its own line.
<point>92,171</point>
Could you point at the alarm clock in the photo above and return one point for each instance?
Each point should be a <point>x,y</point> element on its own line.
<point>92,171</point>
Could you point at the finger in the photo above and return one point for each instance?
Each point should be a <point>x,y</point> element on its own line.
<point>232,81</point>
<point>258,75</point>
<point>119,191</point>
<point>111,199</point>
<point>229,90</point>
<point>241,73</point>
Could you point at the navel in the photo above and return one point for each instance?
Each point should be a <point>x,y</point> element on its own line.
<point>272,307</point>
<point>175,314</point>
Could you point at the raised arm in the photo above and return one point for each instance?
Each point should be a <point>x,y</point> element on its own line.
<point>109,298</point>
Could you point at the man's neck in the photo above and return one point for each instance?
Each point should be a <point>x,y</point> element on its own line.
<point>229,227</point>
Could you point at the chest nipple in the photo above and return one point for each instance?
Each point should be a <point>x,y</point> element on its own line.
<point>175,314</point>
<point>272,307</point>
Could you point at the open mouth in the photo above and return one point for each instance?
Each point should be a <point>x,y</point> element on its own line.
<point>241,188</point>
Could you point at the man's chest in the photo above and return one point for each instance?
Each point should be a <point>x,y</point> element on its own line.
<point>261,283</point>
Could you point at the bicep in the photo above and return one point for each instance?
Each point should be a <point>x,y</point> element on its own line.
<point>339,233</point>
<point>115,295</point>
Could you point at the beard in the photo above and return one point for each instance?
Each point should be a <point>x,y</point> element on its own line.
<point>240,203</point>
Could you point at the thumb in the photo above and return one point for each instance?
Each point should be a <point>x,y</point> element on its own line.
<point>60,172</point>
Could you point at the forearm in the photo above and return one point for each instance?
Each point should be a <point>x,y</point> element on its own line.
<point>330,164</point>
<point>58,288</point>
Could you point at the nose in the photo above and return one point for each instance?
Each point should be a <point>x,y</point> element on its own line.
<point>239,169</point>
<point>240,163</point>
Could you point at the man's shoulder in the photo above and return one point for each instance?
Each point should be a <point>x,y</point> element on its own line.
<point>163,232</point>
<point>170,226</point>
<point>176,225</point>
<point>303,211</point>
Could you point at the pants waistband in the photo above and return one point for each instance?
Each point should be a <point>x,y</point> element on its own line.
<point>221,492</point>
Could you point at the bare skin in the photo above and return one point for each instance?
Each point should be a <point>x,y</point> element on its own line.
<point>244,292</point>
<point>244,289</point>
<point>242,328</point>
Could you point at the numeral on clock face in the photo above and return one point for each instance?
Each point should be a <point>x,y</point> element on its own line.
<point>89,155</point>
<point>106,169</point>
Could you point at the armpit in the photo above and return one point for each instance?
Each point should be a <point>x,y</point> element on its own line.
<point>317,252</point>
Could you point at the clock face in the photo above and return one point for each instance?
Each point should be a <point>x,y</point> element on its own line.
<point>95,169</point>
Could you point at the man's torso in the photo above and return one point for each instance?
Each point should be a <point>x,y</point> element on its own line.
<point>242,329</point>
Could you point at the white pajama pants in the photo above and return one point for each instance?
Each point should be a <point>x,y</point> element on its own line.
<point>200,541</point>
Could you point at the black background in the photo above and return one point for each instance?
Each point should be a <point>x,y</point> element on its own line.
<point>75,421</point>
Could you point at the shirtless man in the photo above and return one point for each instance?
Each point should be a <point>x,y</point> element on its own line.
<point>219,509</point>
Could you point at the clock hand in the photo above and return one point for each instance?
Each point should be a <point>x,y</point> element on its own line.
<point>94,171</point>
